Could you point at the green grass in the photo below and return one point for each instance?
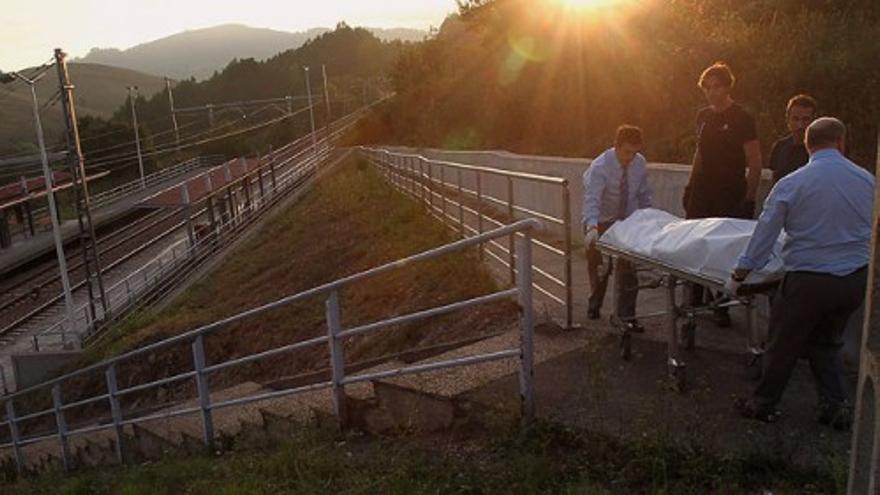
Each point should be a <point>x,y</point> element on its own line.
<point>544,459</point>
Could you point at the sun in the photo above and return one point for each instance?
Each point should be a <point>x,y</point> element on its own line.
<point>588,4</point>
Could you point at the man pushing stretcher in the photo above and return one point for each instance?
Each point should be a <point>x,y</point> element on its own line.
<point>826,211</point>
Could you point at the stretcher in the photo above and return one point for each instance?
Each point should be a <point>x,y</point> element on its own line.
<point>679,313</point>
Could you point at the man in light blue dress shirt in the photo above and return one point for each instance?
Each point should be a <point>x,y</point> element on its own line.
<point>826,210</point>
<point>615,185</point>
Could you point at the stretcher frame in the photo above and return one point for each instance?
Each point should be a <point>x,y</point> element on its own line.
<point>678,337</point>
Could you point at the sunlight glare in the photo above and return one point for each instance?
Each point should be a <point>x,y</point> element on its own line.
<point>582,5</point>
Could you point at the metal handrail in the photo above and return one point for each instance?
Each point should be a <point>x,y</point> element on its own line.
<point>335,336</point>
<point>110,195</point>
<point>414,174</point>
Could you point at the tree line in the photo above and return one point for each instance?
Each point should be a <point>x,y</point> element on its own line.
<point>536,77</point>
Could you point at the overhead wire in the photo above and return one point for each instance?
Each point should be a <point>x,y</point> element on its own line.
<point>168,146</point>
<point>173,143</point>
<point>201,141</point>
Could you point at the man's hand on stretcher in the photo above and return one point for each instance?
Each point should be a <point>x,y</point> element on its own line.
<point>736,279</point>
<point>591,235</point>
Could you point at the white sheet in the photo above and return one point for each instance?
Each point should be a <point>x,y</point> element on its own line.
<point>709,247</point>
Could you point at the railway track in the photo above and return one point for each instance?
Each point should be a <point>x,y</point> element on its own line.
<point>29,294</point>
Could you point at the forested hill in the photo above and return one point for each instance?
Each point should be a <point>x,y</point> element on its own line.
<point>357,63</point>
<point>535,76</point>
<point>354,58</point>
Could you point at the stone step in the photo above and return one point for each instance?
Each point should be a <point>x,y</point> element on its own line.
<point>548,344</point>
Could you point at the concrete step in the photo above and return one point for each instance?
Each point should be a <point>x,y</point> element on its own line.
<point>548,343</point>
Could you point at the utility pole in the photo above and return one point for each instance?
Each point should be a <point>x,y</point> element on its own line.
<point>326,91</point>
<point>327,104</point>
<point>173,114</point>
<point>311,114</point>
<point>91,257</point>
<point>53,210</point>
<point>132,96</point>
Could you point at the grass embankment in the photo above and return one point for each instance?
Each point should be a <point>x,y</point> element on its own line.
<point>349,222</point>
<point>546,459</point>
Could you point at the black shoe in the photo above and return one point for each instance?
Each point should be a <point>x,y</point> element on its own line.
<point>635,327</point>
<point>749,410</point>
<point>593,314</point>
<point>722,318</point>
<point>837,416</point>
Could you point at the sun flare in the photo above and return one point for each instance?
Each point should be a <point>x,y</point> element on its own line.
<point>588,4</point>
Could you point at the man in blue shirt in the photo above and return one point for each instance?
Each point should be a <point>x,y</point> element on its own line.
<point>615,185</point>
<point>826,210</point>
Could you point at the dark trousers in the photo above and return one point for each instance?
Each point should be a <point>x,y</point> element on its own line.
<point>808,318</point>
<point>599,271</point>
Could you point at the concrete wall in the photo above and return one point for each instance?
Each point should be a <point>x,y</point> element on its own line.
<point>33,368</point>
<point>667,180</point>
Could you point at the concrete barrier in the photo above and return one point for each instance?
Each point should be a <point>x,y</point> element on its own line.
<point>667,180</point>
<point>33,368</point>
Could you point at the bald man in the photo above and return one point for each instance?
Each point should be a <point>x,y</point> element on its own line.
<point>826,210</point>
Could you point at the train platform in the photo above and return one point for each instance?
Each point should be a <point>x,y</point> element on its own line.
<point>31,248</point>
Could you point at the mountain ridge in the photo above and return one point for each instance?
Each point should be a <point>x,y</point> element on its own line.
<point>199,53</point>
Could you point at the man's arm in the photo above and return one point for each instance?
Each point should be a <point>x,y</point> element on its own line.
<point>752,150</point>
<point>695,166</point>
<point>594,183</point>
<point>770,224</point>
<point>645,195</point>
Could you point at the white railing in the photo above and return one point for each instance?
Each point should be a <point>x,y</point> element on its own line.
<point>109,196</point>
<point>336,336</point>
<point>470,198</point>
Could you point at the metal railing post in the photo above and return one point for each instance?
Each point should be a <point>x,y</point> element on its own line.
<point>411,175</point>
<point>566,224</point>
<point>460,205</point>
<point>512,236</point>
<point>272,174</point>
<point>430,186</point>
<point>443,201</point>
<point>230,204</point>
<point>212,219</point>
<point>260,185</point>
<point>479,186</point>
<point>337,358</point>
<point>13,433</point>
<point>526,326</point>
<point>198,348</point>
<point>61,424</point>
<point>246,183</point>
<point>187,212</point>
<point>115,411</point>
<point>421,178</point>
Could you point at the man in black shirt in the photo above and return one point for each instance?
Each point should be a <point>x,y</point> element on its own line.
<point>789,153</point>
<point>727,146</point>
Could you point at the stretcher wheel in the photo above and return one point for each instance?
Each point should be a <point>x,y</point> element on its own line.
<point>689,335</point>
<point>626,346</point>
<point>679,378</point>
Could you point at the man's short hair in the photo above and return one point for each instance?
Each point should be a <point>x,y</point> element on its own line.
<point>628,134</point>
<point>825,131</point>
<point>805,101</point>
<point>720,71</point>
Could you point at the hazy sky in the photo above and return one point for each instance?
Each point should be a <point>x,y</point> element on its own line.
<point>31,29</point>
